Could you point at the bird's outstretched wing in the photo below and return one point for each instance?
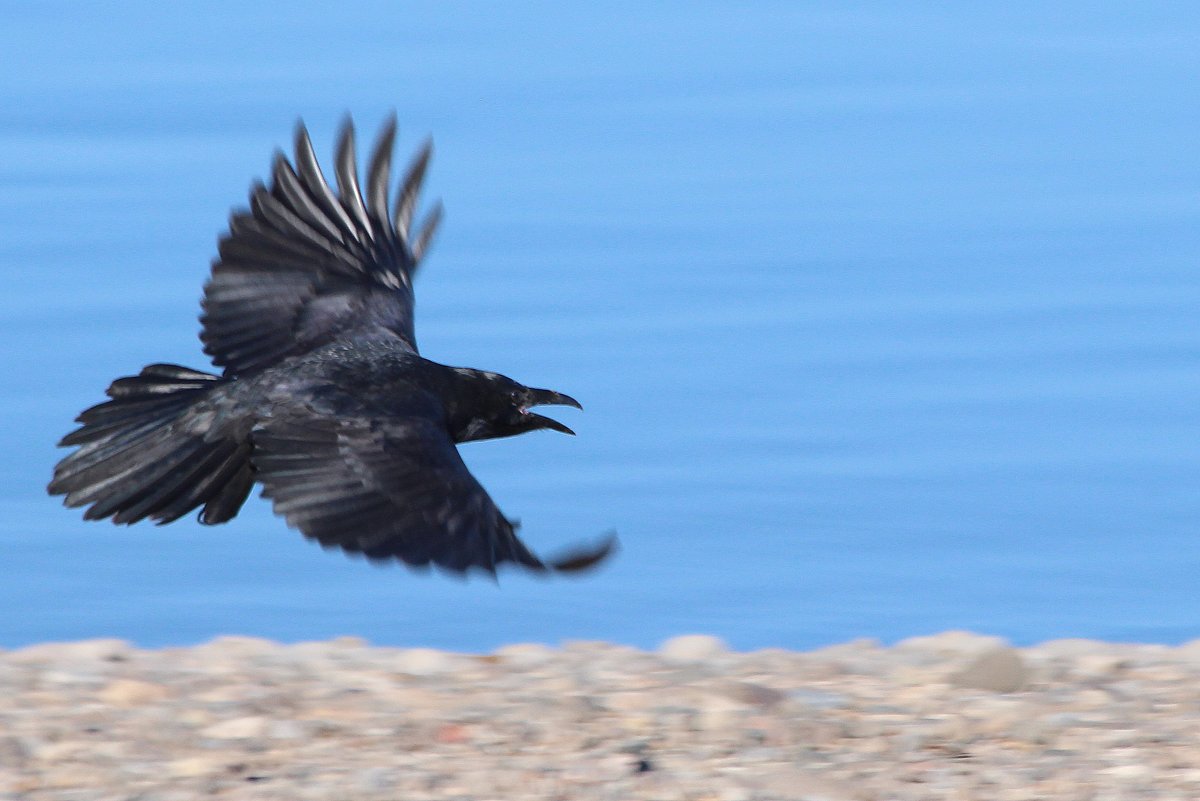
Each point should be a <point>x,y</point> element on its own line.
<point>390,489</point>
<point>305,262</point>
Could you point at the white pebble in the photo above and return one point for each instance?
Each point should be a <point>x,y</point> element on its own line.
<point>693,648</point>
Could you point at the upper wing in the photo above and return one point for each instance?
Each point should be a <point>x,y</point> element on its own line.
<point>305,262</point>
<point>390,489</point>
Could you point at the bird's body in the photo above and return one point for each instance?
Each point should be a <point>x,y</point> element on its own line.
<point>324,399</point>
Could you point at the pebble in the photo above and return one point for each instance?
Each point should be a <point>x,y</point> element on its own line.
<point>424,662</point>
<point>999,669</point>
<point>693,648</point>
<point>236,728</point>
<point>132,692</point>
<point>951,716</point>
<point>952,643</point>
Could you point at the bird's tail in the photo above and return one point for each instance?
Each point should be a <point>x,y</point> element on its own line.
<point>148,453</point>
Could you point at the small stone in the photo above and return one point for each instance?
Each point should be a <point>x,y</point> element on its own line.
<point>69,775</point>
<point>693,648</point>
<point>718,713</point>
<point>132,692</point>
<point>189,767</point>
<point>98,650</point>
<point>915,676</point>
<point>1036,730</point>
<point>15,751</point>
<point>952,643</point>
<point>349,641</point>
<point>733,792</point>
<point>752,694</point>
<point>425,662</point>
<point>787,782</point>
<point>1189,651</point>
<point>251,726</point>
<point>1127,772</point>
<point>864,657</point>
<point>992,715</point>
<point>630,701</point>
<point>526,654</point>
<point>286,730</point>
<point>54,752</point>
<point>999,670</point>
<point>1069,648</point>
<point>1100,665</point>
<point>452,734</point>
<point>238,644</point>
<point>819,700</point>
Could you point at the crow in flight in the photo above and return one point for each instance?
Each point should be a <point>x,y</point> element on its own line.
<point>323,398</point>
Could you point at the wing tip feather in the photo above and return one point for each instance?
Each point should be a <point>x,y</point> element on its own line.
<point>583,558</point>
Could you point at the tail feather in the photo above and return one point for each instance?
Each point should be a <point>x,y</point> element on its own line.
<point>92,470</point>
<point>129,407</point>
<point>121,494</point>
<point>104,432</point>
<point>143,453</point>
<point>159,391</point>
<point>209,485</point>
<point>173,486</point>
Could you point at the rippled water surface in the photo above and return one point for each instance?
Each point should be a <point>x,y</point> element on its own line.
<point>885,321</point>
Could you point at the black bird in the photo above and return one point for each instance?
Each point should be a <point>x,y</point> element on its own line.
<point>323,398</point>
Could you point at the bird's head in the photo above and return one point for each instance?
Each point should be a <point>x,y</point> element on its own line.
<point>500,407</point>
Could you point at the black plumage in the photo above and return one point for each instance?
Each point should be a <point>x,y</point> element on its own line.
<point>324,399</point>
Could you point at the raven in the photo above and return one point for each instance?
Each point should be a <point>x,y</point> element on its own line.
<point>323,397</point>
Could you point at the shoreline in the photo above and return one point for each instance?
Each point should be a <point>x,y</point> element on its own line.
<point>953,715</point>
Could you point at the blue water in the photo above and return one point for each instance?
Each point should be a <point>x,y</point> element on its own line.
<point>885,318</point>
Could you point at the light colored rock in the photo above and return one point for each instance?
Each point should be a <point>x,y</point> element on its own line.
<point>734,792</point>
<point>350,641</point>
<point>786,781</point>
<point>195,718</point>
<point>863,657</point>
<point>753,694</point>
<point>998,670</point>
<point>930,672</point>
<point>952,643</point>
<point>98,650</point>
<point>248,727</point>
<point>719,713</point>
<point>53,752</point>
<point>1099,665</point>
<point>818,700</point>
<point>132,692</point>
<point>425,662</point>
<point>192,766</point>
<point>238,644</point>
<point>1070,648</point>
<point>1189,651</point>
<point>1131,771</point>
<point>693,648</point>
<point>636,701</point>
<point>68,775</point>
<point>286,730</point>
<point>526,654</point>
<point>993,715</point>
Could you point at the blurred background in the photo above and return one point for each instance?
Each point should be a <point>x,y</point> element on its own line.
<point>884,317</point>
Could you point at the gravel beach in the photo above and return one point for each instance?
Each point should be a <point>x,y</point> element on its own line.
<point>950,716</point>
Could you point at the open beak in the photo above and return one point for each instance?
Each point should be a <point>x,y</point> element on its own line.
<point>547,397</point>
